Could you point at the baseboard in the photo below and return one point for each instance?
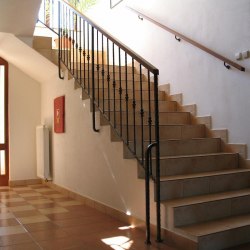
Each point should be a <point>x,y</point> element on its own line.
<point>15,183</point>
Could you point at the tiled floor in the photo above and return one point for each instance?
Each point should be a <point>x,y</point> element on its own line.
<point>37,217</point>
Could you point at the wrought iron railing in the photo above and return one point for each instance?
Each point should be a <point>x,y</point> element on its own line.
<point>112,76</point>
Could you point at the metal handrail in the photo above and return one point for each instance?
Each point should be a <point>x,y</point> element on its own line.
<point>92,51</point>
<point>178,36</point>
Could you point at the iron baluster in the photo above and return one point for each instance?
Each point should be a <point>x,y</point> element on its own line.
<point>60,35</point>
<point>88,58</point>
<point>120,91</point>
<point>84,54</point>
<point>142,118</point>
<point>157,158</point>
<point>149,110</point>
<point>114,85</point>
<point>134,104</point>
<point>108,79</point>
<point>103,73</point>
<point>126,97</point>
<point>97,66</point>
<point>80,51</point>
<point>93,77</point>
<point>148,167</point>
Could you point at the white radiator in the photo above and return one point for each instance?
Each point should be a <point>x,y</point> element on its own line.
<point>42,152</point>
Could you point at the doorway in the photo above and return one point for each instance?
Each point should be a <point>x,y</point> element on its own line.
<point>4,134</point>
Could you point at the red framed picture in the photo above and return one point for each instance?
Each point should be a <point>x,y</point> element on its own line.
<point>59,114</point>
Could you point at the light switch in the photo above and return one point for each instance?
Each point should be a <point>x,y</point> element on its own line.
<point>238,56</point>
<point>245,54</point>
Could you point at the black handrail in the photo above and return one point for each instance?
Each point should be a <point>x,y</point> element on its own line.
<point>106,70</point>
<point>179,36</point>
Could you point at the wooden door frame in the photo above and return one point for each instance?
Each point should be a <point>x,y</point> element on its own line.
<point>4,179</point>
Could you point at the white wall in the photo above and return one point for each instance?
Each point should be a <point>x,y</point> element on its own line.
<point>221,25</point>
<point>24,116</point>
<point>86,162</point>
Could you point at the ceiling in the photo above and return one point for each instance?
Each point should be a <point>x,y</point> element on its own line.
<point>18,16</point>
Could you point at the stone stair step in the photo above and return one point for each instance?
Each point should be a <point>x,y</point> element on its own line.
<point>164,118</point>
<point>112,75</point>
<point>208,207</point>
<point>105,67</point>
<point>109,94</point>
<point>191,164</point>
<point>165,132</point>
<point>164,106</point>
<point>181,186</point>
<point>129,84</point>
<point>40,42</point>
<point>219,234</point>
<point>181,147</point>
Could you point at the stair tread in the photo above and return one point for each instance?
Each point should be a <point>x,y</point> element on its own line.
<point>205,174</point>
<point>188,139</point>
<point>217,226</point>
<point>207,198</point>
<point>195,155</point>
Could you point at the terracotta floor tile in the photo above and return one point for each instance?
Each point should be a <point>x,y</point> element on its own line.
<point>15,239</point>
<point>23,192</point>
<point>53,210</point>
<point>37,186</point>
<point>41,226</point>
<point>11,230</point>
<point>69,203</point>
<point>16,204</point>
<point>12,199</point>
<point>9,222</point>
<point>4,210</point>
<point>62,243</point>
<point>51,220</point>
<point>21,208</point>
<point>50,234</point>
<point>40,201</point>
<point>63,216</point>
<point>19,214</point>
<point>43,189</point>
<point>46,205</point>
<point>6,216</point>
<point>30,194</point>
<point>51,192</point>
<point>33,219</point>
<point>24,246</point>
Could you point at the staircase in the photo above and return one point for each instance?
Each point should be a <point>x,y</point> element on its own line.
<point>204,190</point>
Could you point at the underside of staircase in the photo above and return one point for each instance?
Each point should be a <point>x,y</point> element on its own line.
<point>205,190</point>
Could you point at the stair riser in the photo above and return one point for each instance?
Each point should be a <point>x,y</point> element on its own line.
<point>184,147</point>
<point>225,239</point>
<point>203,185</point>
<point>208,211</point>
<point>165,133</point>
<point>84,75</point>
<point>111,69</point>
<point>122,84</point>
<point>164,118</point>
<point>197,164</point>
<point>137,95</point>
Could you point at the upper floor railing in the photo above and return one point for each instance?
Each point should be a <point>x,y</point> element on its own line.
<point>178,36</point>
